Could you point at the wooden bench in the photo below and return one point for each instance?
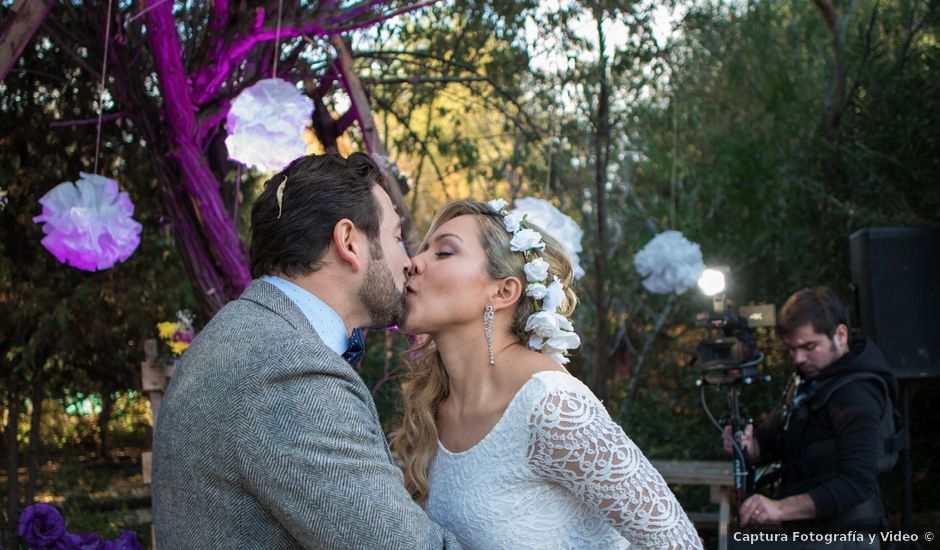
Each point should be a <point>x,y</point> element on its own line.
<point>717,475</point>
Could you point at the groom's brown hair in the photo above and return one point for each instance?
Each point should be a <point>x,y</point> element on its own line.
<point>290,234</point>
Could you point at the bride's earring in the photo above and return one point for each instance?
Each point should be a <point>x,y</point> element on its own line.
<point>488,315</point>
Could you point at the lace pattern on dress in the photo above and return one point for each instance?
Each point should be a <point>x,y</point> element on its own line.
<point>575,443</point>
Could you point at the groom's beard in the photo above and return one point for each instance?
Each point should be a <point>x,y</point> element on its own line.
<point>381,298</point>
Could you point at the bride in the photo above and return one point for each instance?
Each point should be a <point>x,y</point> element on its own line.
<point>501,445</point>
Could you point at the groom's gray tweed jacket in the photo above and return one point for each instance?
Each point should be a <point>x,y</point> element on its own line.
<point>268,439</point>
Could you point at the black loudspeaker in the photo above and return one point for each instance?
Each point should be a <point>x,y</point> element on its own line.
<point>896,275</point>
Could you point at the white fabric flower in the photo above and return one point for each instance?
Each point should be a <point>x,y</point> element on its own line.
<point>555,223</point>
<point>536,271</point>
<point>536,290</point>
<point>512,220</point>
<point>669,263</point>
<point>555,297</point>
<point>542,323</point>
<point>265,124</point>
<point>497,205</point>
<point>563,322</point>
<point>536,342</point>
<point>563,341</point>
<point>551,333</point>
<point>88,223</point>
<point>527,239</point>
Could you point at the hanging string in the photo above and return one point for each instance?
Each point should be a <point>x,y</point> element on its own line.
<point>277,38</point>
<point>104,74</point>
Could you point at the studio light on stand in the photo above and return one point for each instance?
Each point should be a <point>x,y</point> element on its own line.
<point>728,359</point>
<point>712,283</point>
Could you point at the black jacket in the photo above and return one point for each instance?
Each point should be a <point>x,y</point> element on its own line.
<point>841,480</point>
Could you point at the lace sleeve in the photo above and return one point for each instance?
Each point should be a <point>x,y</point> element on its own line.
<point>574,442</point>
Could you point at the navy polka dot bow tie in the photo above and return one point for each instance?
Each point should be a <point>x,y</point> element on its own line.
<point>355,348</point>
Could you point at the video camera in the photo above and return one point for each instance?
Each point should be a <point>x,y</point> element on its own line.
<point>732,358</point>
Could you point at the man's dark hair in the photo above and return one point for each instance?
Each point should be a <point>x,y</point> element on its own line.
<point>819,307</point>
<point>292,238</point>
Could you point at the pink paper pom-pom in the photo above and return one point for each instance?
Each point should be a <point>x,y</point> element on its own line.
<point>88,223</point>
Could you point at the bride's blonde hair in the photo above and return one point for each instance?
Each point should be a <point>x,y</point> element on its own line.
<point>426,383</point>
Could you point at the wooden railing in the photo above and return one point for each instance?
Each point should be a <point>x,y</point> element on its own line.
<point>717,475</point>
<point>154,378</point>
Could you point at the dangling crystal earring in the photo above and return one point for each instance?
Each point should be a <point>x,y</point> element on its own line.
<point>488,315</point>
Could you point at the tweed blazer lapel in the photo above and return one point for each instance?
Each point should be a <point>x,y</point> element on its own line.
<point>269,296</point>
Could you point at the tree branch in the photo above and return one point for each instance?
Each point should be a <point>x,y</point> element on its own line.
<point>535,128</point>
<point>424,146</point>
<point>424,80</point>
<point>208,81</point>
<point>86,122</point>
<point>17,30</point>
<point>386,17</point>
<point>218,17</point>
<point>53,33</point>
<point>641,356</point>
<point>352,12</point>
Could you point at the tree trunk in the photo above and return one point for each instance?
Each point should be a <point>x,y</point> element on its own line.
<point>363,111</point>
<point>835,99</point>
<point>104,419</point>
<point>215,257</point>
<point>35,440</point>
<point>18,29</point>
<point>601,154</point>
<point>204,273</point>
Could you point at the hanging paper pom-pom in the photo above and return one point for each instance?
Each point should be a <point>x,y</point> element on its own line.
<point>669,263</point>
<point>265,124</point>
<point>89,223</point>
<point>555,223</point>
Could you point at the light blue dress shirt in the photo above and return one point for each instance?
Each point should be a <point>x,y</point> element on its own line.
<point>328,324</point>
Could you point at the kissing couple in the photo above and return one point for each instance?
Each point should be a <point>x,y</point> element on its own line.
<point>268,438</point>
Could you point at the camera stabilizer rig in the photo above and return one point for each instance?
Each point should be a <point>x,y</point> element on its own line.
<point>729,361</point>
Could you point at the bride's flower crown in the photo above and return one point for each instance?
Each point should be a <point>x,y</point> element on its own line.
<point>551,332</point>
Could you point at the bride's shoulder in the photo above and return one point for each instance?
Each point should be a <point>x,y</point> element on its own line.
<point>559,383</point>
<point>536,376</point>
<point>556,399</point>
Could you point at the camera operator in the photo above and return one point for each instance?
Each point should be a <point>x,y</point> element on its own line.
<point>829,452</point>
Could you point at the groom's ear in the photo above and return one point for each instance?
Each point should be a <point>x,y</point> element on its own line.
<point>507,293</point>
<point>348,244</point>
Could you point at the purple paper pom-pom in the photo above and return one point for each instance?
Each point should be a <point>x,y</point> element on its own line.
<point>91,541</point>
<point>127,540</point>
<point>89,223</point>
<point>41,526</point>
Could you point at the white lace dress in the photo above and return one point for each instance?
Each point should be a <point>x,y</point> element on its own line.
<point>555,472</point>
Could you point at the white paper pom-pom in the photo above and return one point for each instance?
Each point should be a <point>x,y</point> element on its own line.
<point>265,124</point>
<point>88,223</point>
<point>555,223</point>
<point>669,263</point>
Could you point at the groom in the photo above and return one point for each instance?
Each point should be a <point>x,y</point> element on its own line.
<point>267,438</point>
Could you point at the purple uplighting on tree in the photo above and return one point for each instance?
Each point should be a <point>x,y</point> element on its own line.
<point>181,118</point>
<point>196,92</point>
